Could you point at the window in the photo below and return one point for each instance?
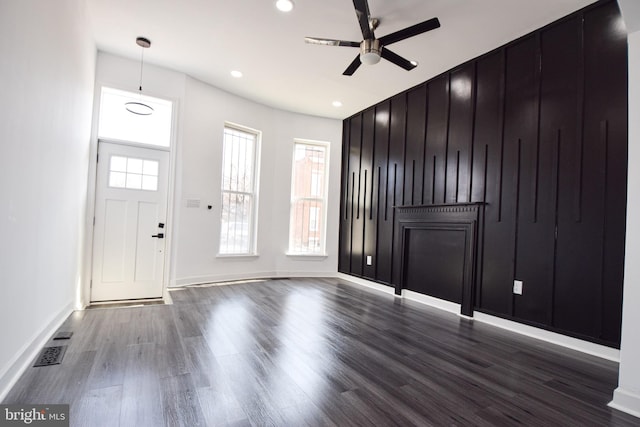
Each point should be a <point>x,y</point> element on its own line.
<point>239,193</point>
<point>133,174</point>
<point>308,198</point>
<point>116,123</point>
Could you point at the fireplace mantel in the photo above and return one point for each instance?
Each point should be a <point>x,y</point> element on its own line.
<point>438,251</point>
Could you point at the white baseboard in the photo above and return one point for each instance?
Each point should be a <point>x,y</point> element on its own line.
<point>593,349</point>
<point>519,328</point>
<point>410,295</point>
<point>23,358</point>
<point>366,283</point>
<point>626,401</point>
<point>200,280</point>
<point>449,306</point>
<point>302,274</point>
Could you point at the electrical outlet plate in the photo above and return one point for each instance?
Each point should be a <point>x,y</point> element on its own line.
<point>517,287</point>
<point>369,260</point>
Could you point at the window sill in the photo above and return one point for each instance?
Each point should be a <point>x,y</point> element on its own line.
<point>307,257</point>
<point>238,255</point>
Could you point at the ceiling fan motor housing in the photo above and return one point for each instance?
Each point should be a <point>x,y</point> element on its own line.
<point>370,51</point>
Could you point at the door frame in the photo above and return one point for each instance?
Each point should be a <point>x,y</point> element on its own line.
<point>83,287</point>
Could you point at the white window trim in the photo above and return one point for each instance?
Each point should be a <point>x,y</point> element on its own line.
<point>253,251</point>
<point>322,254</point>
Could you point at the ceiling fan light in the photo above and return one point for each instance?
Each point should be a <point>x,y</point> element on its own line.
<point>370,52</point>
<point>369,58</point>
<point>284,5</point>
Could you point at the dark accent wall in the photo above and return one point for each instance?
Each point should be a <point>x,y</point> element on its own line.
<point>536,130</point>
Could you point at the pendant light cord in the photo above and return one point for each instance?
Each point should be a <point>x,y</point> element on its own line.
<point>141,67</point>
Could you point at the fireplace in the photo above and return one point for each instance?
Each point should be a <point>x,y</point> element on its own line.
<point>437,251</point>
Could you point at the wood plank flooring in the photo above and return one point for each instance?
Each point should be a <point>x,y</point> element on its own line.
<point>313,352</point>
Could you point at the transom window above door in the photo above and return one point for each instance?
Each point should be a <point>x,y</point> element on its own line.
<point>116,123</point>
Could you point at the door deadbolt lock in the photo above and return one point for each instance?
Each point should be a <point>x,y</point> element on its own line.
<point>159,235</point>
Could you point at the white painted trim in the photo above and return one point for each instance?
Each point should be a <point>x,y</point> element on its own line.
<point>551,337</point>
<point>449,306</point>
<point>519,328</point>
<point>23,358</point>
<point>626,401</point>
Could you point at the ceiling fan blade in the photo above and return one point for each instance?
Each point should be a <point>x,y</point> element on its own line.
<point>397,59</point>
<point>364,16</point>
<point>330,42</point>
<point>411,31</point>
<point>352,67</point>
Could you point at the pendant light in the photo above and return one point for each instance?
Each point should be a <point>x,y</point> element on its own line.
<point>139,107</point>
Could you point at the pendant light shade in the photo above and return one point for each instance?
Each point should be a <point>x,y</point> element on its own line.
<point>139,107</point>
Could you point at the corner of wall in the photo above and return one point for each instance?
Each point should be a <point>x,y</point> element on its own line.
<point>626,401</point>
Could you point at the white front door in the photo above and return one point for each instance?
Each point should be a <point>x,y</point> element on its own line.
<point>130,226</point>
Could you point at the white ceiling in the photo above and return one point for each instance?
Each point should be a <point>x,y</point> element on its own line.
<point>206,39</point>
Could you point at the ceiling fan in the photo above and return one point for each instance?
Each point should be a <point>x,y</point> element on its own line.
<point>371,48</point>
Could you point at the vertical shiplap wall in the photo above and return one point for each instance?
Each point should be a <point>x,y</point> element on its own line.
<point>537,130</point>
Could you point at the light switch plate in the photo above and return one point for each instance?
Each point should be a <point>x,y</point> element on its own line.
<point>517,287</point>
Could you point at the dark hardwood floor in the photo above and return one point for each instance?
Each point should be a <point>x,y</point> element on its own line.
<point>309,352</point>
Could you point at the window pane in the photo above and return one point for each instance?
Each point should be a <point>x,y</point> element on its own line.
<point>306,224</point>
<point>117,179</point>
<point>115,122</point>
<point>134,166</point>
<point>150,167</point>
<point>118,164</point>
<point>235,236</point>
<point>134,181</point>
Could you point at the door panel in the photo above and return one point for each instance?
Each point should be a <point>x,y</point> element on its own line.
<point>114,241</point>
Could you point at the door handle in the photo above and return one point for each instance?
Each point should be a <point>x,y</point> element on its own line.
<point>159,235</point>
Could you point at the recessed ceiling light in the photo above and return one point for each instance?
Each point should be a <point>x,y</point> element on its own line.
<point>284,5</point>
<point>236,74</point>
<point>336,104</point>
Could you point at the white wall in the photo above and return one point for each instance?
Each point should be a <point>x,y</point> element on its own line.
<point>46,82</point>
<point>198,230</point>
<point>627,396</point>
<point>202,112</point>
